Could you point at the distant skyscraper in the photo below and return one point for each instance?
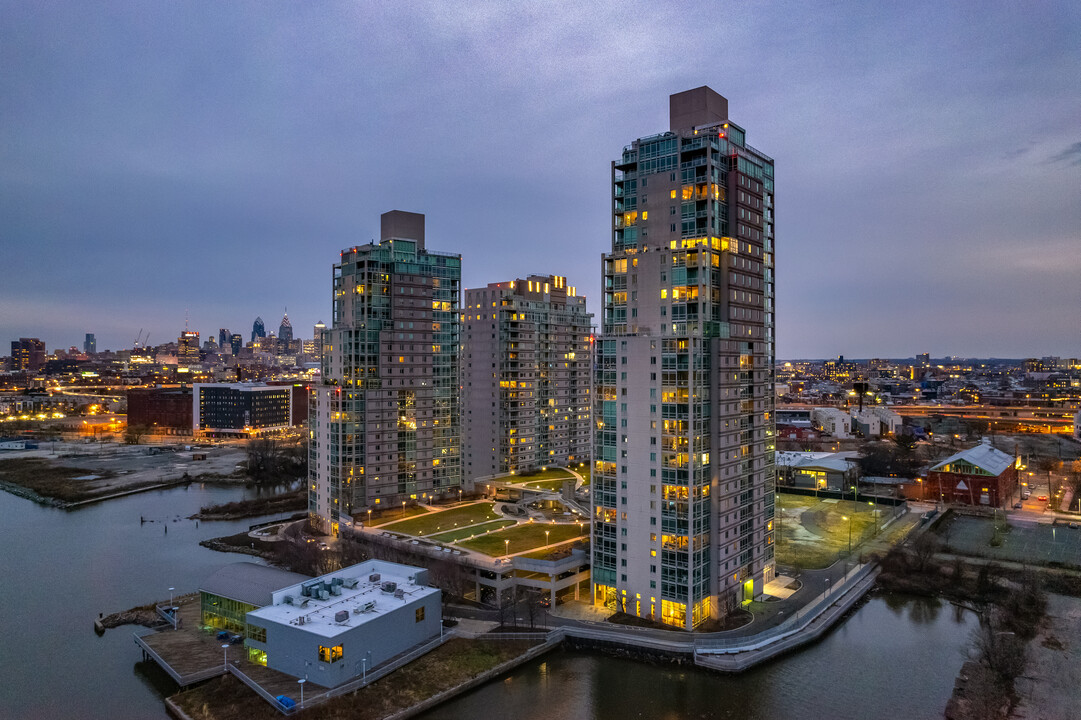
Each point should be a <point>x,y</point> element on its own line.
<point>532,410</point>
<point>257,329</point>
<point>317,335</point>
<point>187,349</point>
<point>236,341</point>
<point>90,344</point>
<point>27,354</point>
<point>923,359</point>
<point>684,446</point>
<point>385,423</point>
<point>285,331</point>
<point>223,337</point>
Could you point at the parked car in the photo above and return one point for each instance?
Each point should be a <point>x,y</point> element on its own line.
<point>1018,506</point>
<point>1042,498</point>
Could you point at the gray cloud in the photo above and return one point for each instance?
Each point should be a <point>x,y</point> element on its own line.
<point>217,157</point>
<point>1071,155</point>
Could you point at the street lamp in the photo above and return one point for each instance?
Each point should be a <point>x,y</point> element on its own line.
<point>369,517</point>
<point>364,669</point>
<point>301,682</point>
<point>846,517</point>
<point>506,545</point>
<point>546,538</point>
<point>225,654</point>
<point>403,508</point>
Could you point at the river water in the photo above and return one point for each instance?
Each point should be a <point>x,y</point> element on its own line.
<point>894,657</point>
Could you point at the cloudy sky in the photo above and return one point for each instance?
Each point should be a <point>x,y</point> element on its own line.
<point>163,158</point>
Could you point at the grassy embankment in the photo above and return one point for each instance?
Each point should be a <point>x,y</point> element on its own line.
<point>57,482</point>
<point>286,502</point>
<point>454,663</point>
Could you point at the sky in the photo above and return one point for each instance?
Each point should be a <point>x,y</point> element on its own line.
<point>207,160</point>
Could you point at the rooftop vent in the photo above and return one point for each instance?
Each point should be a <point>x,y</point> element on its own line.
<point>399,593</point>
<point>374,577</point>
<point>341,616</point>
<point>389,586</point>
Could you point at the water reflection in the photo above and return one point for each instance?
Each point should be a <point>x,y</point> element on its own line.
<point>866,668</point>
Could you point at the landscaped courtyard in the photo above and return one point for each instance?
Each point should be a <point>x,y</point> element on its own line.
<point>524,537</point>
<point>814,533</point>
<point>446,520</point>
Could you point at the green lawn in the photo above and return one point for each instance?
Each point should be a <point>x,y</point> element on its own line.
<point>818,537</point>
<point>524,537</point>
<point>471,530</point>
<point>445,520</point>
<point>382,517</point>
<point>549,474</point>
<point>554,485</point>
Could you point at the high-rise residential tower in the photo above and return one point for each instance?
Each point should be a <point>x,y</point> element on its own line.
<point>525,376</point>
<point>684,442</point>
<point>384,423</point>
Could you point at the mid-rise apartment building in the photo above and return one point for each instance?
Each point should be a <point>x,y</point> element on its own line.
<point>385,423</point>
<point>684,404</point>
<point>525,376</point>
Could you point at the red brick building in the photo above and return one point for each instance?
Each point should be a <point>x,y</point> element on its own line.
<point>978,476</point>
<point>167,411</point>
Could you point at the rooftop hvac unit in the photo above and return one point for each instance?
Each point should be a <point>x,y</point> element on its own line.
<point>301,602</point>
<point>374,577</point>
<point>288,599</point>
<point>335,581</point>
<point>335,589</point>
<point>341,616</point>
<point>399,593</point>
<point>323,594</point>
<point>300,620</point>
<point>350,583</point>
<point>368,606</point>
<point>389,586</point>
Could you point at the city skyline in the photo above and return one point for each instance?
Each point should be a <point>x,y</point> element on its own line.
<point>178,158</point>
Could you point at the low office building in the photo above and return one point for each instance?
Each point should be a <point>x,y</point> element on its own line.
<point>981,475</point>
<point>333,628</point>
<point>241,409</point>
<point>816,470</point>
<point>227,596</point>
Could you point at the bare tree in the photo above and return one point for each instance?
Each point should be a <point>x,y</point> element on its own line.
<point>135,433</point>
<point>924,549</point>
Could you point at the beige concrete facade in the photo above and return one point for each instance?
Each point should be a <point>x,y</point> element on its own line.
<point>525,376</point>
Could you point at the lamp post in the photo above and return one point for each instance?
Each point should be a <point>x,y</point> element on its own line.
<point>849,519</point>
<point>506,545</point>
<point>546,538</point>
<point>225,657</point>
<point>369,517</point>
<point>364,669</point>
<point>301,682</point>
<point>403,509</point>
<point>172,608</point>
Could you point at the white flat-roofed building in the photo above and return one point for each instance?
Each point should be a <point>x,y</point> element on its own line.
<point>333,628</point>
